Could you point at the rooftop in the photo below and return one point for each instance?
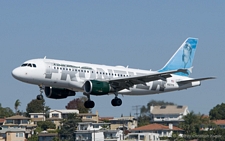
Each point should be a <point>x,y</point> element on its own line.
<point>156,126</point>
<point>2,120</point>
<point>219,122</point>
<point>17,117</point>
<point>66,111</point>
<point>168,109</point>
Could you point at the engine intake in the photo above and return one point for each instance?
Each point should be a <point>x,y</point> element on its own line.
<point>57,93</point>
<point>96,87</point>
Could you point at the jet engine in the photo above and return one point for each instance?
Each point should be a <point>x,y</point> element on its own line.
<point>58,93</point>
<point>96,87</point>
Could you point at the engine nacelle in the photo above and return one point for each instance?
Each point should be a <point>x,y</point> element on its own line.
<point>57,93</point>
<point>96,87</point>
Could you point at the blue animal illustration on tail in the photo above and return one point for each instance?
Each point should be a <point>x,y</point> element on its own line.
<point>183,57</point>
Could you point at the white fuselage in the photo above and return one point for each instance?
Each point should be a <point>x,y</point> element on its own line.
<point>73,75</point>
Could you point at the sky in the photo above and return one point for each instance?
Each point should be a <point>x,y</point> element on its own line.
<point>139,34</point>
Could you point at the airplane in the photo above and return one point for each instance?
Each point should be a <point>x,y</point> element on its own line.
<point>60,79</point>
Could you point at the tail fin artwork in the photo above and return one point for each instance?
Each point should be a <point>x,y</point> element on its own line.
<point>183,57</point>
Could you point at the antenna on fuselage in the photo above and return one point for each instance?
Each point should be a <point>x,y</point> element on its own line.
<point>45,57</point>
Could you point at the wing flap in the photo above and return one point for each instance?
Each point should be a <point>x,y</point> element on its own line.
<point>193,80</point>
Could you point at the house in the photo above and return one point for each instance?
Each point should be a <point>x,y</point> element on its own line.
<point>167,114</point>
<point>127,122</point>
<point>89,117</point>
<point>97,131</point>
<point>161,130</point>
<point>35,117</point>
<point>12,134</point>
<point>2,120</point>
<point>61,114</point>
<point>92,126</point>
<point>220,123</point>
<point>19,122</point>
<point>57,115</point>
<point>98,135</point>
<point>143,137</point>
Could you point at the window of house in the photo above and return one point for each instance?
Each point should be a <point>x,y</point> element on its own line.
<point>24,121</point>
<point>20,134</point>
<point>8,121</point>
<point>55,115</point>
<point>88,116</point>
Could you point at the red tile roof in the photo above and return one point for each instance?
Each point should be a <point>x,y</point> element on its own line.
<point>2,120</point>
<point>156,126</point>
<point>219,122</point>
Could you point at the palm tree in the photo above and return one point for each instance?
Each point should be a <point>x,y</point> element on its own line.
<point>16,105</point>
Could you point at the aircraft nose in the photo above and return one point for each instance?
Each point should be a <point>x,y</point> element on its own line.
<point>16,73</point>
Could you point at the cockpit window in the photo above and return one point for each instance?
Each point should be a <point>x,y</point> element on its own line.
<point>23,65</point>
<point>28,65</point>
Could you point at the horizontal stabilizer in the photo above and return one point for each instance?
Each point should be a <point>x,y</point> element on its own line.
<point>193,80</point>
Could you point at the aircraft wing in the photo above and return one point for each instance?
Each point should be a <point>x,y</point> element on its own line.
<point>193,80</point>
<point>126,83</point>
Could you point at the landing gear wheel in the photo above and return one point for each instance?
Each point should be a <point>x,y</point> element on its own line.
<point>40,97</point>
<point>89,104</point>
<point>116,102</point>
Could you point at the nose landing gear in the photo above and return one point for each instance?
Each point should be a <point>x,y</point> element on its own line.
<point>40,96</point>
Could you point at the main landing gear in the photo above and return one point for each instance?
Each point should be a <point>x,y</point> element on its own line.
<point>89,103</point>
<point>40,96</point>
<point>116,101</point>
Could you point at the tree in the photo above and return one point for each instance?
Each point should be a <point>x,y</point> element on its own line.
<point>191,124</point>
<point>16,105</point>
<point>217,112</point>
<point>5,112</point>
<point>78,104</point>
<point>46,125</point>
<point>37,106</point>
<point>69,126</point>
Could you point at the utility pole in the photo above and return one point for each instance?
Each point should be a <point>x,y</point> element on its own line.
<point>136,108</point>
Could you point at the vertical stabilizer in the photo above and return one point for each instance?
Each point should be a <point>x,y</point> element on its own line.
<point>183,57</point>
